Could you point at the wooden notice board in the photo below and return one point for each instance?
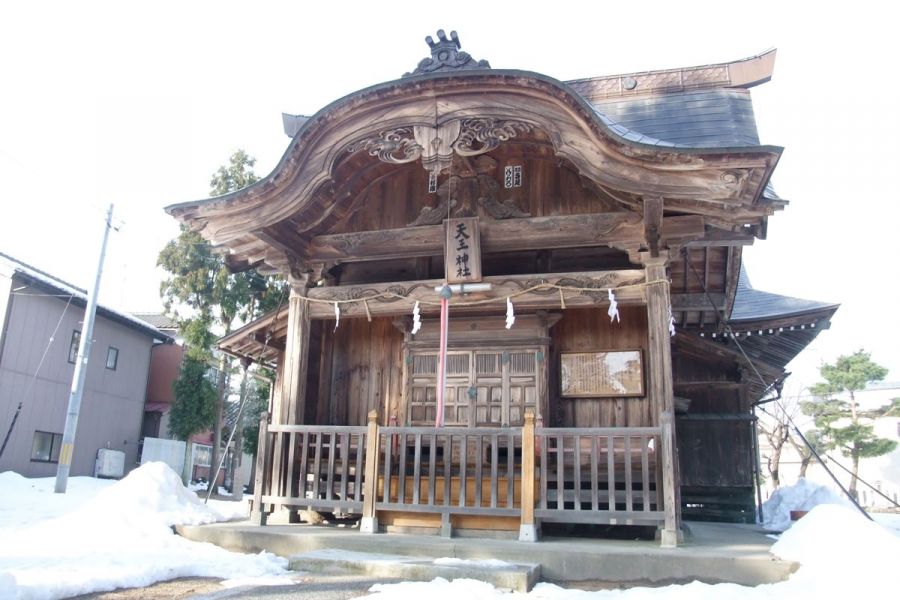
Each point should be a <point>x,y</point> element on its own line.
<point>462,251</point>
<point>612,374</point>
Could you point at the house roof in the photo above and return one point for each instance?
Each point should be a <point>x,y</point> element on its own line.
<point>43,280</point>
<point>160,321</point>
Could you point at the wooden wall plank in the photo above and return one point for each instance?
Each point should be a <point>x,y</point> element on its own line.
<point>587,330</point>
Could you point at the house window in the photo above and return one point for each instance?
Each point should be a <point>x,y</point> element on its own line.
<point>45,446</point>
<point>73,346</point>
<point>112,358</point>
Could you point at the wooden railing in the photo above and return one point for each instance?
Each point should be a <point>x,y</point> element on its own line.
<point>449,470</point>
<point>599,475</point>
<point>573,475</point>
<point>312,467</point>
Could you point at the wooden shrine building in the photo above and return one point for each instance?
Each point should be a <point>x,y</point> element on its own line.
<point>584,239</point>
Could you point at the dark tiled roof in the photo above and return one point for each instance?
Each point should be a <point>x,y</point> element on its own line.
<point>751,304</point>
<point>710,118</point>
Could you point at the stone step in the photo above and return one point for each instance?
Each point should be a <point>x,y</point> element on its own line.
<point>500,574</point>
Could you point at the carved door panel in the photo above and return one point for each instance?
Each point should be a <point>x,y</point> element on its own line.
<point>483,389</point>
<point>523,385</point>
<point>457,411</point>
<point>488,389</point>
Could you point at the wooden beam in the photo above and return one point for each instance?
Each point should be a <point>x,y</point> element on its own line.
<point>653,215</point>
<point>405,293</point>
<point>698,301</point>
<point>570,231</point>
<point>660,389</point>
<point>721,237</point>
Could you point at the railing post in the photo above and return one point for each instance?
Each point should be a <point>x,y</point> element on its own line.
<point>369,523</point>
<point>263,477</point>
<point>527,528</point>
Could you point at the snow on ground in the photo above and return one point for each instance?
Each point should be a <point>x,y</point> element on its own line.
<point>803,495</point>
<point>101,535</point>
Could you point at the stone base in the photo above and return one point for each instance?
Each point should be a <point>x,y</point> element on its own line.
<point>528,533</point>
<point>368,525</point>
<point>668,538</point>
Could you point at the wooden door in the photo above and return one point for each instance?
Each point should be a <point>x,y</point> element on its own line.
<point>484,388</point>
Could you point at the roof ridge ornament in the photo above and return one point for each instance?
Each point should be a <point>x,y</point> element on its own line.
<point>446,56</point>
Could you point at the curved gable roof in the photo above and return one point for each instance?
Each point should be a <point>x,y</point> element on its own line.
<point>725,182</point>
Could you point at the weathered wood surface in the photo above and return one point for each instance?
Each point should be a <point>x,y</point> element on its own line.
<point>502,287</point>
<point>721,183</point>
<point>660,387</point>
<point>366,371</point>
<point>586,330</point>
<point>324,467</point>
<point>293,383</point>
<point>599,475</point>
<point>449,470</point>
<point>565,231</point>
<point>586,475</point>
<point>715,453</point>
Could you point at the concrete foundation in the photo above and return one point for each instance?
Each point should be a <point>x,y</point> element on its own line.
<point>713,553</point>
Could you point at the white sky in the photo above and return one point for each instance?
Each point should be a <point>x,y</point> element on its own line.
<point>139,103</point>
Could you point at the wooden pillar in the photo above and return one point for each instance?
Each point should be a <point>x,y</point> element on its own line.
<point>660,386</point>
<point>528,530</point>
<point>369,522</point>
<point>296,357</point>
<point>263,475</point>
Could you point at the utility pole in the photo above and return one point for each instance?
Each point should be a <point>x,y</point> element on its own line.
<point>84,350</point>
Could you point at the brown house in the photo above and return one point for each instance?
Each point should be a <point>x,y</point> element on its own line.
<point>515,300</point>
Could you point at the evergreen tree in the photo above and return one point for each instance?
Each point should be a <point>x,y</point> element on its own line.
<point>218,299</point>
<point>194,408</point>
<point>840,421</point>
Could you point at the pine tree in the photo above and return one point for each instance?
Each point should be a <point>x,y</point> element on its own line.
<point>840,422</point>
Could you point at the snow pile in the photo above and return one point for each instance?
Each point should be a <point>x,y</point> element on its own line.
<point>842,554</point>
<point>122,537</point>
<point>833,536</point>
<point>803,495</point>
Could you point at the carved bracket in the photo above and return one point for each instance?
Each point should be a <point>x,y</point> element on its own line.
<point>436,145</point>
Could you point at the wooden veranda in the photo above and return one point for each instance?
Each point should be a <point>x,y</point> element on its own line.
<point>514,477</point>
